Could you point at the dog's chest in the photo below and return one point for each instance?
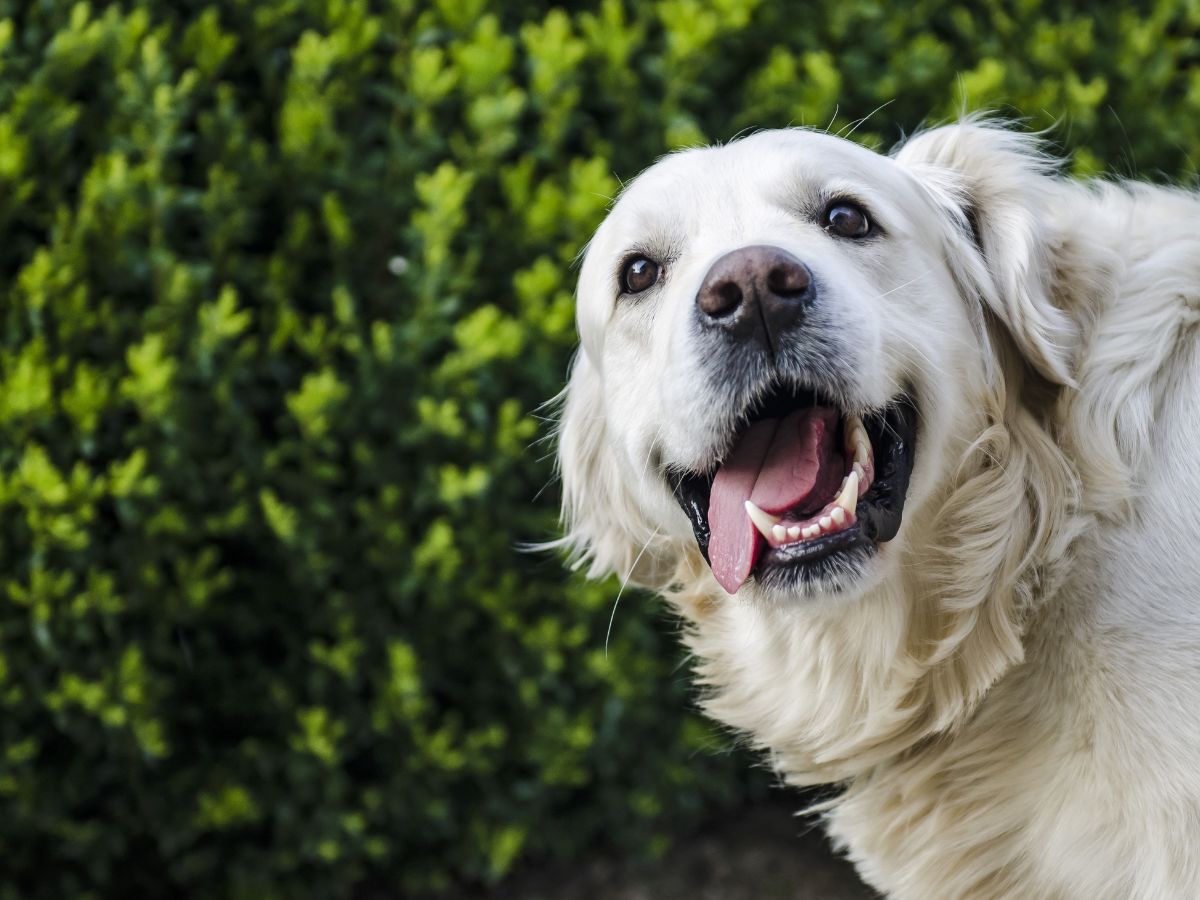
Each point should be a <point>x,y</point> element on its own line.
<point>1077,779</point>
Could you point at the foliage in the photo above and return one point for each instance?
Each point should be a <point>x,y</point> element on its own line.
<point>283,285</point>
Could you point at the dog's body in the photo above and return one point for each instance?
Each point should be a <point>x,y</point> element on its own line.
<point>1007,679</point>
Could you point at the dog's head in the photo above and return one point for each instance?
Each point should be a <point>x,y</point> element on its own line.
<point>791,343</point>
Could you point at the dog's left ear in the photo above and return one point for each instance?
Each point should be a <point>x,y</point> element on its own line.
<point>605,531</point>
<point>994,183</point>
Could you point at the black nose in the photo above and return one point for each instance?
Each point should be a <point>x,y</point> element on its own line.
<point>755,293</point>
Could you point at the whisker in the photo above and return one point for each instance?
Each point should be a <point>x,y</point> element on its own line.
<point>837,108</point>
<point>650,451</point>
<point>921,353</point>
<point>901,287</point>
<point>625,581</point>
<point>854,126</point>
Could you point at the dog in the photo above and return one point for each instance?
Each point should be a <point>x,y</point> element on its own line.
<point>909,441</point>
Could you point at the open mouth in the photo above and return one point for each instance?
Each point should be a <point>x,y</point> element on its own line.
<point>807,490</point>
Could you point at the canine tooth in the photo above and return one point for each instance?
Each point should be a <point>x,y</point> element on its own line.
<point>848,498</point>
<point>794,532</point>
<point>838,515</point>
<point>780,533</point>
<point>826,522</point>
<point>811,531</point>
<point>862,452</point>
<point>763,521</point>
<point>854,427</point>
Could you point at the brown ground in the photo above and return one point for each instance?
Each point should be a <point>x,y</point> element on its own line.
<point>763,853</point>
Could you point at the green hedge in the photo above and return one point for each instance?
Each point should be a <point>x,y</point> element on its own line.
<point>283,284</point>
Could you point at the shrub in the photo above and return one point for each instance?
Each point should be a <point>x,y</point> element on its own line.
<point>284,284</point>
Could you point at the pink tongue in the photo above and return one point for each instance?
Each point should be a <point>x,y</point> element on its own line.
<point>775,464</point>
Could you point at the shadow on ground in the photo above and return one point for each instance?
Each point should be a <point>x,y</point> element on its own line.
<point>762,853</point>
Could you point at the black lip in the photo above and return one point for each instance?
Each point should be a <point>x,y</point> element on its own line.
<point>693,492</point>
<point>894,438</point>
<point>893,433</point>
<point>824,560</point>
<point>808,551</point>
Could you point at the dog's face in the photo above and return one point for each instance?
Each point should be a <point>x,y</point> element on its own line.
<point>785,343</point>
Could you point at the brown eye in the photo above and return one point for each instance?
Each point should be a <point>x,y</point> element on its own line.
<point>640,273</point>
<point>847,220</point>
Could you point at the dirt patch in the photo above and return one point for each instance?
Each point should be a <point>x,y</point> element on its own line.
<point>762,853</point>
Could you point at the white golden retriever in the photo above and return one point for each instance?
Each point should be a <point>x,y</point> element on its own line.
<point>911,443</point>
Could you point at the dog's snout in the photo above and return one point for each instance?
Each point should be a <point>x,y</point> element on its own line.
<point>755,291</point>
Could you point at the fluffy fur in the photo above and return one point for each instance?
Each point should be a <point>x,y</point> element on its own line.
<point>1010,696</point>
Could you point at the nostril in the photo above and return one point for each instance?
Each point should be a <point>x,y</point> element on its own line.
<point>730,294</point>
<point>788,279</point>
<point>721,299</point>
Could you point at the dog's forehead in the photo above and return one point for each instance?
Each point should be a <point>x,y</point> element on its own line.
<point>766,164</point>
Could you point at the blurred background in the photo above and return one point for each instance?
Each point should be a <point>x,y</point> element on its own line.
<point>283,285</point>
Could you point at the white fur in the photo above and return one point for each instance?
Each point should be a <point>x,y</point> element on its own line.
<point>1011,695</point>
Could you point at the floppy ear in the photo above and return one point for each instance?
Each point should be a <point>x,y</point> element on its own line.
<point>605,529</point>
<point>995,182</point>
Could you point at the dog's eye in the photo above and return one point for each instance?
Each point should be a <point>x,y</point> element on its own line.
<point>847,220</point>
<point>640,273</point>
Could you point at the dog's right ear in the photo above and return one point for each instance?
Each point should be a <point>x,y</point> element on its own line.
<point>605,530</point>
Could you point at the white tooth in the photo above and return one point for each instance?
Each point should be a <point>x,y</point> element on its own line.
<point>826,523</point>
<point>794,532</point>
<point>811,531</point>
<point>862,452</point>
<point>780,533</point>
<point>848,498</point>
<point>763,521</point>
<point>838,515</point>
